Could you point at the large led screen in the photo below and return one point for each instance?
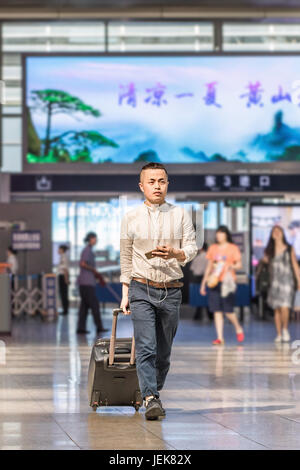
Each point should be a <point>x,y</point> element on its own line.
<point>172,109</point>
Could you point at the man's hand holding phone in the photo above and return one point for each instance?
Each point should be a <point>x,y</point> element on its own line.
<point>149,254</point>
<point>168,252</point>
<point>160,251</point>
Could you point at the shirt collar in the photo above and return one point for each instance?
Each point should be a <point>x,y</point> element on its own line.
<point>164,207</point>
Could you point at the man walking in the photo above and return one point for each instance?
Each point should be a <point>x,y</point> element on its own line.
<point>157,238</point>
<point>87,286</point>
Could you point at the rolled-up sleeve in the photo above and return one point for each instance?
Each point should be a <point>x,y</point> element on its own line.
<point>188,242</point>
<point>125,251</point>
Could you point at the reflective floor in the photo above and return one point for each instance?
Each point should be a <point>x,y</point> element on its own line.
<point>231,397</point>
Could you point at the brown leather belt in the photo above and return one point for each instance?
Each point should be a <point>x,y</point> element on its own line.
<point>159,285</point>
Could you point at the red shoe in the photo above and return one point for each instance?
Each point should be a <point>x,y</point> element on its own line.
<point>240,337</point>
<point>218,342</point>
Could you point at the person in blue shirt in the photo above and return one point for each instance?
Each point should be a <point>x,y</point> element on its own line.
<point>87,286</point>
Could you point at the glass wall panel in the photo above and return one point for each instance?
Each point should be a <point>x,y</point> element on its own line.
<point>225,214</point>
<point>147,36</point>
<point>11,158</point>
<point>261,37</point>
<point>53,36</point>
<point>211,215</point>
<point>12,130</point>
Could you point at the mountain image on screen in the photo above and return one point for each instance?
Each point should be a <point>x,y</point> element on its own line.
<point>282,143</point>
<point>70,145</point>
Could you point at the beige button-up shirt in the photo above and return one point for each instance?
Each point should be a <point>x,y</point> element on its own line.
<point>145,227</point>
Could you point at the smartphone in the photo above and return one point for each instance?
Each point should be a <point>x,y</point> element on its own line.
<point>148,254</point>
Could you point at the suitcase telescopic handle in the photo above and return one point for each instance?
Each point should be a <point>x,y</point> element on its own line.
<point>116,311</point>
<point>112,343</point>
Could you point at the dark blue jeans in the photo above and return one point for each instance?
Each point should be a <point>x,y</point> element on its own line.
<point>155,325</point>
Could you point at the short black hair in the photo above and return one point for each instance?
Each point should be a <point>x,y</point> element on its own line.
<point>10,248</point>
<point>89,236</point>
<point>153,166</point>
<point>63,247</point>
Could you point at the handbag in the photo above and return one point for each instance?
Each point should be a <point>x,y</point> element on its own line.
<point>263,278</point>
<point>214,278</point>
<point>212,281</point>
<point>228,285</point>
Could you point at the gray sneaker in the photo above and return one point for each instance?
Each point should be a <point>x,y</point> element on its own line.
<point>154,409</point>
<point>163,410</point>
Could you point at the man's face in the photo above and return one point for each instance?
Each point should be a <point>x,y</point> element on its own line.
<point>93,241</point>
<point>154,184</point>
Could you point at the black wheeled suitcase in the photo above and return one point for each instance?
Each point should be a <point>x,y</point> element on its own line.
<point>112,378</point>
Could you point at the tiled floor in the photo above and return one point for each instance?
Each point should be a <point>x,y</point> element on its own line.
<point>231,397</point>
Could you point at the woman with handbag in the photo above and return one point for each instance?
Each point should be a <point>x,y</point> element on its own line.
<point>284,280</point>
<point>224,258</point>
